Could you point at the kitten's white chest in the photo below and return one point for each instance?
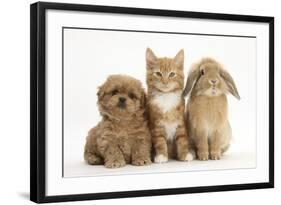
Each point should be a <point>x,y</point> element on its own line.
<point>166,101</point>
<point>170,129</point>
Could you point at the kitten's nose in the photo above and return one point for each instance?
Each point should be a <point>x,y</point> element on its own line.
<point>165,81</point>
<point>213,81</point>
<point>122,99</point>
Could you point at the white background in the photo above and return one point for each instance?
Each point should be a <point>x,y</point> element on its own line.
<point>15,101</point>
<point>55,184</point>
<point>92,55</point>
<point>172,178</point>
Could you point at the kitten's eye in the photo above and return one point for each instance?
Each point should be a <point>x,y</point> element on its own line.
<point>132,96</point>
<point>158,74</point>
<point>114,92</point>
<point>172,74</point>
<point>202,72</point>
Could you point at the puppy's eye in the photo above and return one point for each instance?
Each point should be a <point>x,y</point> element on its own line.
<point>202,72</point>
<point>172,74</point>
<point>132,96</point>
<point>158,74</point>
<point>114,92</point>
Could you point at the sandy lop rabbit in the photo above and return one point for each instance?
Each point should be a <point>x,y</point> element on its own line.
<point>206,111</point>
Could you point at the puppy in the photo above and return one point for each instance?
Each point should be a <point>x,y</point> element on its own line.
<point>122,136</point>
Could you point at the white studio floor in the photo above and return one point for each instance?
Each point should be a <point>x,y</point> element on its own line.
<point>231,160</point>
<point>239,156</point>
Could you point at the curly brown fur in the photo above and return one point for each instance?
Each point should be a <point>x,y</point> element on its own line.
<point>165,81</point>
<point>206,111</point>
<point>122,136</point>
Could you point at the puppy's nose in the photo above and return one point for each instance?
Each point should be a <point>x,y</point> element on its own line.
<point>122,99</point>
<point>213,81</point>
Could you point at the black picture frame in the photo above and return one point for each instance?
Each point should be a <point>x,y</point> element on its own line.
<point>38,100</point>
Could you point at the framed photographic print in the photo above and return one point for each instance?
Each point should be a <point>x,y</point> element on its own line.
<point>129,102</point>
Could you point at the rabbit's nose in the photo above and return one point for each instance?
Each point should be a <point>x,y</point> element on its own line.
<point>213,81</point>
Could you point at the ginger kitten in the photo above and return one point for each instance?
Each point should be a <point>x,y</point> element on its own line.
<point>165,81</point>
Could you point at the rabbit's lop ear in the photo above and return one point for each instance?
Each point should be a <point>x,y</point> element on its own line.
<point>230,83</point>
<point>191,80</point>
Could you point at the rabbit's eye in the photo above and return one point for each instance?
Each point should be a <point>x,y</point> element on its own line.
<point>202,72</point>
<point>158,74</point>
<point>172,74</point>
<point>114,92</point>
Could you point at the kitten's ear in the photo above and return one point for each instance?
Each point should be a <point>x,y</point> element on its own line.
<point>151,59</point>
<point>179,59</point>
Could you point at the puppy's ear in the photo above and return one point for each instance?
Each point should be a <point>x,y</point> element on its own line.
<point>143,99</point>
<point>179,59</point>
<point>230,83</point>
<point>193,77</point>
<point>100,92</point>
<point>151,59</point>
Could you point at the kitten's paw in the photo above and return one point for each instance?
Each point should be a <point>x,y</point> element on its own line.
<point>160,158</point>
<point>215,155</point>
<point>203,156</point>
<point>115,163</point>
<point>188,157</point>
<point>141,162</point>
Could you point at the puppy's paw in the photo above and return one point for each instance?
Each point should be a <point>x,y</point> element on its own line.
<point>215,155</point>
<point>115,163</point>
<point>94,160</point>
<point>141,162</point>
<point>160,158</point>
<point>203,156</point>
